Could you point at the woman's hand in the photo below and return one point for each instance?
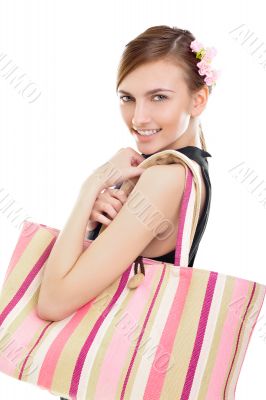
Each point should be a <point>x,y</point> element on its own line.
<point>122,166</point>
<point>106,207</point>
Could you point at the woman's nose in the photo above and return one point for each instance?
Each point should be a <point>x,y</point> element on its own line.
<point>141,116</point>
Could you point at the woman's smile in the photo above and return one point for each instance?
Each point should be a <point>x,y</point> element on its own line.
<point>145,138</point>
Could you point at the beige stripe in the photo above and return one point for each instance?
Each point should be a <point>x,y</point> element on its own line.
<point>226,300</point>
<point>239,313</point>
<point>29,257</point>
<point>250,320</point>
<point>28,296</point>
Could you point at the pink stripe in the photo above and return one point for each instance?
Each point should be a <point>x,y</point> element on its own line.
<point>151,261</point>
<point>156,376</point>
<point>120,339</point>
<point>27,282</point>
<point>200,335</point>
<point>142,333</point>
<point>19,342</point>
<point>226,344</point>
<point>29,354</point>
<point>182,217</point>
<point>86,347</point>
<point>56,348</point>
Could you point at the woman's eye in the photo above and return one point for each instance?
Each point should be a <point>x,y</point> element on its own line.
<point>122,98</point>
<point>162,97</point>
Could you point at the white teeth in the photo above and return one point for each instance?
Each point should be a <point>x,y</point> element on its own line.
<point>147,133</point>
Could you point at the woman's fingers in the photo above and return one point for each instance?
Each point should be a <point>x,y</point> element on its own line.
<point>110,209</point>
<point>107,205</point>
<point>124,165</point>
<point>101,218</point>
<point>120,195</point>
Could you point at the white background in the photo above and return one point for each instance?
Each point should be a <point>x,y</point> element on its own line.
<point>47,148</point>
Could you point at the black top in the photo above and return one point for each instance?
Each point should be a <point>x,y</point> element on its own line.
<point>200,156</point>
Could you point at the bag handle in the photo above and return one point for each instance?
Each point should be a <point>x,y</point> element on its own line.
<point>190,204</point>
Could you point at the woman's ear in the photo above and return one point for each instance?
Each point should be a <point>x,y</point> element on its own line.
<point>199,101</point>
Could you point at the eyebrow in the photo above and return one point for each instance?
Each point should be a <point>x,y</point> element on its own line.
<point>149,91</point>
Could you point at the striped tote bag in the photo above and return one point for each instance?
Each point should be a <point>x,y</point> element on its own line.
<point>161,331</point>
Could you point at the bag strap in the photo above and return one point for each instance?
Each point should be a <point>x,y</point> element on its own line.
<point>190,204</point>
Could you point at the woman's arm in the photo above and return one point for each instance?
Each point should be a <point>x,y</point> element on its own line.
<point>69,244</point>
<point>73,278</point>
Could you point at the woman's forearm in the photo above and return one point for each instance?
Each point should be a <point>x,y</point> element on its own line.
<point>69,244</point>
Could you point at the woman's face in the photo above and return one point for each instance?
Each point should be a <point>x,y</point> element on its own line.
<point>167,109</point>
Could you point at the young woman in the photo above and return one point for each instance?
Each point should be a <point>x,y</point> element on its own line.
<point>163,83</point>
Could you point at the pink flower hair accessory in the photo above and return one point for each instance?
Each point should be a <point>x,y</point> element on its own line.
<point>205,55</point>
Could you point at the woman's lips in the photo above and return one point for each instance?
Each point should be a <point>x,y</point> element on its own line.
<point>145,138</point>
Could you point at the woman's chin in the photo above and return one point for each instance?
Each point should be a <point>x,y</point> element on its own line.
<point>147,148</point>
